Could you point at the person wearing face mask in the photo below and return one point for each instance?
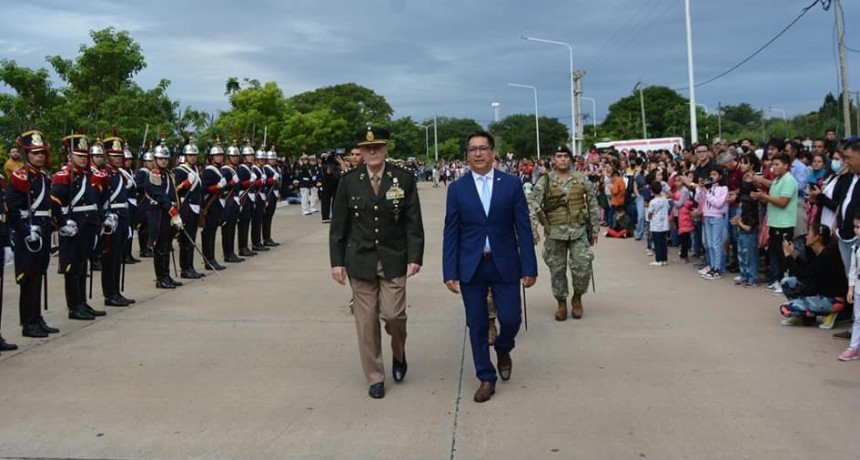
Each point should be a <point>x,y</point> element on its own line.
<point>821,195</point>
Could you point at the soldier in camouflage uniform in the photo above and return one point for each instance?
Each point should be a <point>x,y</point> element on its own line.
<point>565,204</point>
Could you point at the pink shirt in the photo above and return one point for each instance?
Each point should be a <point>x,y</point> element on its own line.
<point>714,200</point>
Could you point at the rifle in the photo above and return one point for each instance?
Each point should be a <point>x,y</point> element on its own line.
<point>142,146</point>
<point>589,235</point>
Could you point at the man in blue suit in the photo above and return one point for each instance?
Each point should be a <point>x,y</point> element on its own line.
<point>488,245</point>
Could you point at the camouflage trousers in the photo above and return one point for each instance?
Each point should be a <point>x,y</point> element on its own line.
<point>558,255</point>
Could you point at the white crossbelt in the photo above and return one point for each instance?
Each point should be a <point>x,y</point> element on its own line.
<point>42,213</point>
<point>119,205</point>
<point>89,207</point>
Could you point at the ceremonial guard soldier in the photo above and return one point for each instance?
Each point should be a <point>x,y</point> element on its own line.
<point>29,213</point>
<point>7,254</point>
<point>97,165</point>
<point>230,201</point>
<point>76,192</point>
<point>307,179</point>
<point>247,198</point>
<point>260,187</point>
<point>213,183</point>
<point>163,218</point>
<point>273,195</point>
<point>141,177</point>
<point>116,209</point>
<point>190,194</point>
<point>127,172</point>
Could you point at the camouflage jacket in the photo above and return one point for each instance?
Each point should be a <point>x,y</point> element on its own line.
<point>575,226</point>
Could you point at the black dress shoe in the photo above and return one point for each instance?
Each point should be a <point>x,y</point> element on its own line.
<point>78,312</point>
<point>6,346</point>
<point>190,275</point>
<point>271,243</point>
<point>97,265</point>
<point>175,283</point>
<point>233,259</point>
<point>33,330</point>
<point>214,266</point>
<point>125,299</point>
<point>245,252</point>
<point>377,390</point>
<point>89,309</point>
<point>130,260</point>
<point>164,283</point>
<point>146,253</point>
<point>115,301</point>
<point>260,248</point>
<point>44,326</point>
<point>398,369</point>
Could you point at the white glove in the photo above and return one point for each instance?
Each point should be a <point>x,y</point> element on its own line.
<point>7,255</point>
<point>70,229</point>
<point>222,183</point>
<point>277,177</point>
<point>176,221</point>
<point>111,222</point>
<point>253,176</point>
<point>192,177</point>
<point>35,234</point>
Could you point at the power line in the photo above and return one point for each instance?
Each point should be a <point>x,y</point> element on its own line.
<point>824,3</point>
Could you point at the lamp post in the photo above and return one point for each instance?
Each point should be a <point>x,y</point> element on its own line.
<point>707,112</point>
<point>771,109</point>
<point>570,75</point>
<point>426,139</point>
<point>593,112</point>
<point>642,108</point>
<point>537,123</point>
<point>694,129</point>
<point>495,106</point>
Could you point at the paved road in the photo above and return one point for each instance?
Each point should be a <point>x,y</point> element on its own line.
<point>264,365</point>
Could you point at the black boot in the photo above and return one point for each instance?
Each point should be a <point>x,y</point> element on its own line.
<point>146,252</point>
<point>6,346</point>
<point>233,258</point>
<point>44,326</point>
<point>33,330</point>
<point>186,261</point>
<point>79,312</point>
<point>166,264</point>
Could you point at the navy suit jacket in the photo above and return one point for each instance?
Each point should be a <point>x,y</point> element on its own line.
<point>507,226</point>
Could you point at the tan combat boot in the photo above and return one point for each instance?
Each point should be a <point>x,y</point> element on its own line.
<point>576,306</point>
<point>561,313</point>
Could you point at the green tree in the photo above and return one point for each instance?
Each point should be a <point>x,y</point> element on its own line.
<point>516,133</point>
<point>457,129</point>
<point>664,109</point>
<point>357,105</point>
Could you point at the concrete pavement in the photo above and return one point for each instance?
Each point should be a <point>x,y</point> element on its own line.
<point>264,365</point>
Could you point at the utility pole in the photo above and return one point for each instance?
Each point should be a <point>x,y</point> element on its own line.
<point>857,110</point>
<point>694,129</point>
<point>642,108</point>
<point>843,67</point>
<point>720,119</point>
<point>577,98</point>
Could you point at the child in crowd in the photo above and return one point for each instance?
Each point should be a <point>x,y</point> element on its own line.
<point>713,194</point>
<point>747,223</point>
<point>684,205</point>
<point>658,219</point>
<point>853,351</point>
<point>623,226</point>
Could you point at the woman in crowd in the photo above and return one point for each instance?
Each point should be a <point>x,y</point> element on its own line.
<point>821,195</point>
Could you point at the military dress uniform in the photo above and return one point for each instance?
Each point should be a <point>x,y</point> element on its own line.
<point>4,237</point>
<point>260,187</point>
<point>307,176</point>
<point>163,219</point>
<point>230,201</point>
<point>190,193</point>
<point>376,235</point>
<point>247,199</point>
<point>114,242</point>
<point>566,208</point>
<point>212,183</point>
<point>141,177</point>
<point>29,214</point>
<point>272,196</point>
<point>76,193</point>
<point>131,196</point>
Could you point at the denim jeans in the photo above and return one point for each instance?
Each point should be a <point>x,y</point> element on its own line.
<point>640,217</point>
<point>610,216</point>
<point>715,234</point>
<point>748,255</point>
<point>799,305</point>
<point>661,252</point>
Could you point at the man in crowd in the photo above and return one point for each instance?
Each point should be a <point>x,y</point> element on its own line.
<point>14,162</point>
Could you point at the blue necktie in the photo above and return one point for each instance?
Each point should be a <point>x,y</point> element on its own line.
<point>485,200</point>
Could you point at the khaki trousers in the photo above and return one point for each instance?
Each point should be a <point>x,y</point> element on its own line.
<point>374,300</point>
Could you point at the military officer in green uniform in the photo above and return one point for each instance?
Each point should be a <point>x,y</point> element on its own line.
<point>565,204</point>
<point>377,238</point>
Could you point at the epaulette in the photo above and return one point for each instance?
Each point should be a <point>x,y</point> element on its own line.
<point>347,171</point>
<point>397,166</point>
<point>19,180</point>
<point>98,177</point>
<point>61,177</point>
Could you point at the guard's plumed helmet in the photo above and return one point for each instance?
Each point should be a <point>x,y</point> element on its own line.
<point>261,153</point>
<point>127,154</point>
<point>233,150</point>
<point>190,148</point>
<point>149,156</point>
<point>96,148</point>
<point>247,149</point>
<point>161,150</point>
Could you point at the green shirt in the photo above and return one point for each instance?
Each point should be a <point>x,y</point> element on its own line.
<point>785,186</point>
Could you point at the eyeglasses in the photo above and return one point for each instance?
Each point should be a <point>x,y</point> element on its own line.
<point>480,148</point>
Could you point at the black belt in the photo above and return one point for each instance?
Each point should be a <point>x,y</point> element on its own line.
<point>487,255</point>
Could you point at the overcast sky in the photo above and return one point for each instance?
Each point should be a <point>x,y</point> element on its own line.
<point>455,57</point>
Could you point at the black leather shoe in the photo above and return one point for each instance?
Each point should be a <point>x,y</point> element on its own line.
<point>271,243</point>
<point>44,326</point>
<point>146,253</point>
<point>33,330</point>
<point>164,283</point>
<point>260,248</point>
<point>77,312</point>
<point>175,283</point>
<point>97,313</point>
<point>214,266</point>
<point>130,260</point>
<point>115,301</point>
<point>377,390</point>
<point>125,299</point>
<point>190,274</point>
<point>398,369</point>
<point>233,259</point>
<point>6,346</point>
<point>97,265</point>
<point>245,252</point>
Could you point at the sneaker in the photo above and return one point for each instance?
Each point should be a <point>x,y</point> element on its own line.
<point>715,275</point>
<point>792,322</point>
<point>705,270</point>
<point>772,286</point>
<point>737,279</point>
<point>778,291</point>
<point>664,263</point>
<point>306,213</point>
<point>649,253</point>
<point>750,284</point>
<point>829,321</point>
<point>655,264</point>
<point>850,354</point>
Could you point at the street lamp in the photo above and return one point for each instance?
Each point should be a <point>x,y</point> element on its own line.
<point>495,106</point>
<point>572,102</point>
<point>426,139</point>
<point>537,125</point>
<point>593,112</point>
<point>642,108</point>
<point>694,129</point>
<point>771,109</point>
<point>707,112</point>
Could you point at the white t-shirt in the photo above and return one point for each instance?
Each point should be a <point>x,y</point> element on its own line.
<point>658,209</point>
